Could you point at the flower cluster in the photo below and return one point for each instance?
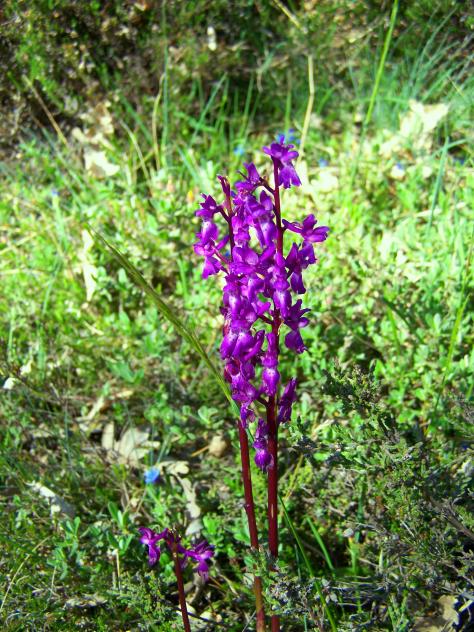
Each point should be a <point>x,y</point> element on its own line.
<point>260,284</point>
<point>201,553</point>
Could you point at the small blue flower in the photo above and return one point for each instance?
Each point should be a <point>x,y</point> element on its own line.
<point>291,135</point>
<point>287,137</point>
<point>54,192</point>
<point>322,162</point>
<point>152,475</point>
<point>400,166</point>
<point>239,150</point>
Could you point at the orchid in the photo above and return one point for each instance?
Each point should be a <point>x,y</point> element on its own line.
<point>261,278</point>
<point>201,553</point>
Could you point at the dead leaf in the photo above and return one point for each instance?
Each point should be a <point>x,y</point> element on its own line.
<point>9,383</point>
<point>397,172</point>
<point>85,601</point>
<point>26,368</point>
<point>442,622</point>
<point>98,165</point>
<point>194,511</point>
<point>175,468</point>
<point>218,446</point>
<point>421,120</point>
<point>108,436</point>
<point>133,445</point>
<point>56,503</point>
<point>89,270</point>
<point>178,469</point>
<point>325,182</point>
<point>416,128</point>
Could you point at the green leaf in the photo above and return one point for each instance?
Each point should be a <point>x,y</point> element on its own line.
<point>183,330</point>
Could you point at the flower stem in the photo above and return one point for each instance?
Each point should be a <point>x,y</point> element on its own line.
<point>272,413</point>
<point>273,490</point>
<point>182,596</point>
<point>250,510</point>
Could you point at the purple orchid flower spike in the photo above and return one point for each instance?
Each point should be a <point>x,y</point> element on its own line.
<point>262,281</point>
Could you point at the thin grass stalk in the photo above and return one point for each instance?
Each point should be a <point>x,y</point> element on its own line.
<point>309,106</point>
<point>375,90</point>
<point>381,66</point>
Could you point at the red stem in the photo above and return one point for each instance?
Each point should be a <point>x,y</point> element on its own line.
<point>247,481</point>
<point>182,596</point>
<point>272,412</point>
<point>250,510</point>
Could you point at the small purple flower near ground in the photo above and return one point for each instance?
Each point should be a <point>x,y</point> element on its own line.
<point>150,539</point>
<point>201,553</point>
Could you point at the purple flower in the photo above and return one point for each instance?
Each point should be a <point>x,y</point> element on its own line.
<point>245,260</point>
<point>208,208</point>
<point>294,341</point>
<point>282,155</point>
<point>251,182</point>
<point>270,374</point>
<point>281,152</point>
<point>280,286</point>
<point>263,458</point>
<point>298,259</point>
<point>286,401</point>
<point>263,219</point>
<point>260,285</point>
<point>201,553</point>
<point>307,229</point>
<point>295,320</point>
<point>210,251</point>
<point>150,538</point>
<point>289,177</point>
<point>224,185</point>
<point>246,415</point>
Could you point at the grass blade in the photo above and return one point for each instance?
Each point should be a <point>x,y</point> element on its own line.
<point>308,565</point>
<point>321,544</point>
<point>167,313</point>
<point>380,69</point>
